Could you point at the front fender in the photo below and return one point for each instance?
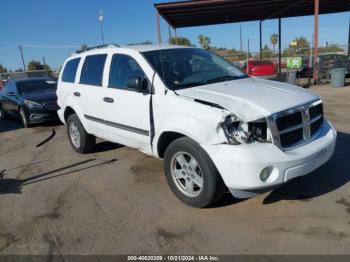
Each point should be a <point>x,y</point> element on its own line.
<point>192,128</point>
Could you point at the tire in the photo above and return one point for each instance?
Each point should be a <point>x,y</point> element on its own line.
<point>3,115</point>
<point>80,140</point>
<point>205,183</point>
<point>23,118</point>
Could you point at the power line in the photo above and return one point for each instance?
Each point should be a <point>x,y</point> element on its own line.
<point>41,46</point>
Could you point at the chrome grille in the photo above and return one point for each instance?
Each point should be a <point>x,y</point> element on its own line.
<point>52,105</point>
<point>296,126</point>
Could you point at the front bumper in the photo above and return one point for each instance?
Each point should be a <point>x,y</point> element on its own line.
<point>240,166</point>
<point>40,116</point>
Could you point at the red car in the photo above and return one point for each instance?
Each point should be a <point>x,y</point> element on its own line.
<point>264,68</point>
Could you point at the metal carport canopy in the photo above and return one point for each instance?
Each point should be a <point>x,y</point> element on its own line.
<point>210,12</point>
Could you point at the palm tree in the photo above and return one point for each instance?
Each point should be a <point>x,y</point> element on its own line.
<point>274,40</point>
<point>204,41</point>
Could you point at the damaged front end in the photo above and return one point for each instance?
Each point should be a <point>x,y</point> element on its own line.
<point>238,131</point>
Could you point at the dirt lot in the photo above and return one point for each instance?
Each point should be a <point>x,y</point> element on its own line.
<point>116,201</point>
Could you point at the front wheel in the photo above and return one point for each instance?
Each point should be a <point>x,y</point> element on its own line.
<point>23,117</point>
<point>81,141</point>
<point>2,114</point>
<point>191,174</point>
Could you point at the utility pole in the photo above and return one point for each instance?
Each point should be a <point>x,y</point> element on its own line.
<point>101,18</point>
<point>240,37</point>
<point>21,51</point>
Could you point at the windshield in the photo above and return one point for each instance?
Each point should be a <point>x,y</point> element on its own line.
<point>36,86</point>
<point>189,67</point>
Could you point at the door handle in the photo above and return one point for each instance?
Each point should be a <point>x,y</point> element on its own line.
<point>108,100</point>
<point>76,94</point>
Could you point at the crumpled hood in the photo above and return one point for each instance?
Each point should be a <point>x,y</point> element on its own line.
<point>251,98</point>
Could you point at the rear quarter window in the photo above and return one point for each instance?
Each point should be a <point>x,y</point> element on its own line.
<point>70,70</point>
<point>92,71</point>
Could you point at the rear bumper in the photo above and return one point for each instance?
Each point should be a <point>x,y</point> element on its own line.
<point>240,166</point>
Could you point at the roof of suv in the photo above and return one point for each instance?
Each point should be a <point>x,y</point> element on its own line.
<point>153,47</point>
<point>138,48</point>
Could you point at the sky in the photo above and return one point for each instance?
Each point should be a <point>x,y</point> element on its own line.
<point>54,29</point>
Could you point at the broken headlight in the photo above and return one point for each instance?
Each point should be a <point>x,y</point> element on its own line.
<point>240,132</point>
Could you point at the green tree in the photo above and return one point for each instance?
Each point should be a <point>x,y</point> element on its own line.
<point>82,48</point>
<point>2,69</point>
<point>36,65</point>
<point>274,40</point>
<point>204,41</point>
<point>266,52</point>
<point>180,41</point>
<point>142,43</point>
<point>331,48</point>
<point>301,44</point>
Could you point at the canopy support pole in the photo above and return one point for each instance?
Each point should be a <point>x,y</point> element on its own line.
<point>260,32</point>
<point>158,28</point>
<point>279,47</point>
<point>349,41</point>
<point>315,73</point>
<point>169,33</point>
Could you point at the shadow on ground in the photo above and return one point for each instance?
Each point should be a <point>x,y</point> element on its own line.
<point>14,186</point>
<point>14,124</point>
<point>329,177</point>
<point>106,146</point>
<point>9,125</point>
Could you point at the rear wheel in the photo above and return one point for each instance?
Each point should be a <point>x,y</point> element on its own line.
<point>191,174</point>
<point>23,118</point>
<point>80,140</point>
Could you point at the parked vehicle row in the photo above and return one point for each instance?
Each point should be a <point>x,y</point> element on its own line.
<point>214,126</point>
<point>31,100</point>
<point>261,68</point>
<point>326,63</point>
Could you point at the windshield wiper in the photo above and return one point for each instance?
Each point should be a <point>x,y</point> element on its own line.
<point>190,85</point>
<point>223,78</point>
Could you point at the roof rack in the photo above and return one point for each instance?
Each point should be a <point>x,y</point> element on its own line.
<point>96,47</point>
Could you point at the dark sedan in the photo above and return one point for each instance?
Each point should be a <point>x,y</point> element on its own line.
<point>33,100</point>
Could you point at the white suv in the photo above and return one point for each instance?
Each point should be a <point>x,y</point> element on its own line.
<point>214,126</point>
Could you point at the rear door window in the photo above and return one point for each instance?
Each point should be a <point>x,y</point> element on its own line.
<point>92,71</point>
<point>70,70</point>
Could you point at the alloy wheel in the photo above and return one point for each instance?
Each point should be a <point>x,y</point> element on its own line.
<point>187,174</point>
<point>74,134</point>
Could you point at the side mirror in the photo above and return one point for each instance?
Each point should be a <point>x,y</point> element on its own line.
<point>138,83</point>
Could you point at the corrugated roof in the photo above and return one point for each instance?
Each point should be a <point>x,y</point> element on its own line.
<point>209,12</point>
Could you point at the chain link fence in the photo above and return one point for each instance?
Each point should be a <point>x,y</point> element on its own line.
<point>328,58</point>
